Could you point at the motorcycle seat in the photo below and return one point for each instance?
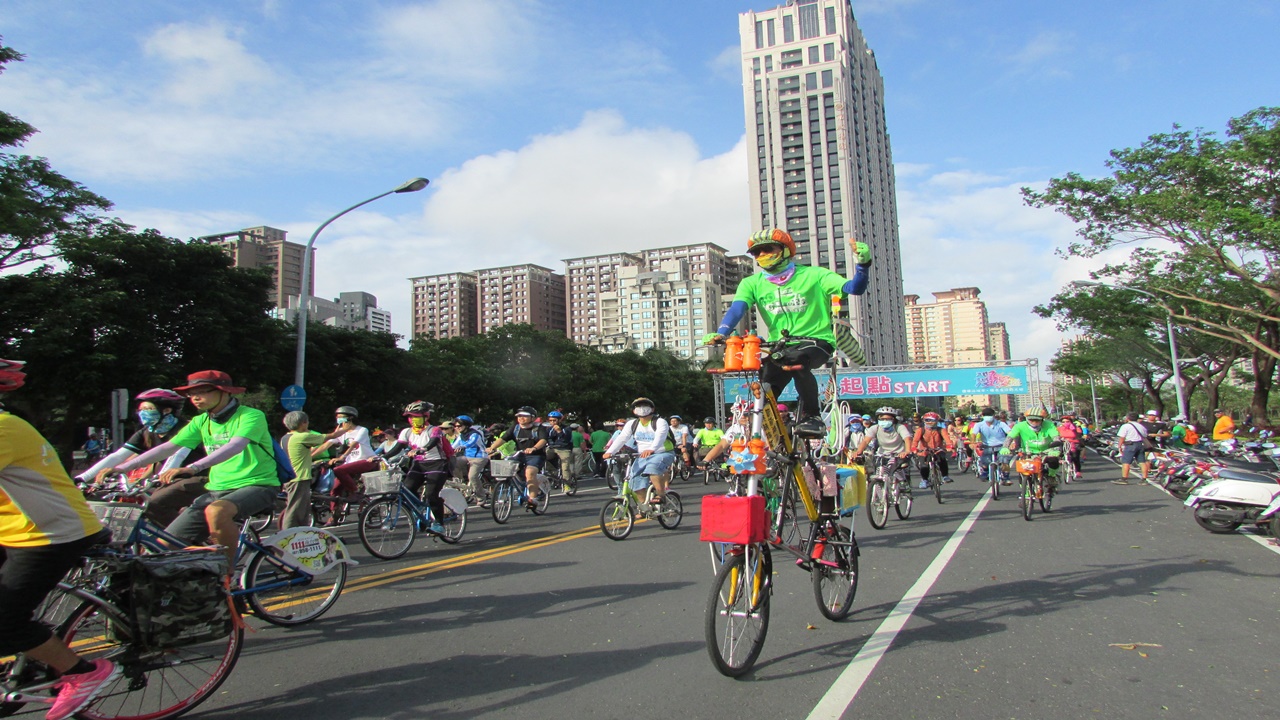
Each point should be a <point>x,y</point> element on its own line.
<point>1245,475</point>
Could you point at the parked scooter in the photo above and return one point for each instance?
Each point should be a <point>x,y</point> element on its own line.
<point>1271,516</point>
<point>1235,498</point>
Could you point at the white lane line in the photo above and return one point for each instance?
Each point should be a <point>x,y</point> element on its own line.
<point>846,687</point>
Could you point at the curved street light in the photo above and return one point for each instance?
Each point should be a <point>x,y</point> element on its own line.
<point>304,297</point>
<point>1173,345</point>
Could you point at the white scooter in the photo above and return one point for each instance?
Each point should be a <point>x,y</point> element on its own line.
<point>1235,498</point>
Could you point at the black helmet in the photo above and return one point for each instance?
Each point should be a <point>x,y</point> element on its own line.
<point>348,411</point>
<point>527,410</point>
<point>709,420</point>
<point>419,407</point>
<point>642,401</point>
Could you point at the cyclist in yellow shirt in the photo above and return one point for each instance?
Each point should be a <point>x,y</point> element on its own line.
<point>45,528</point>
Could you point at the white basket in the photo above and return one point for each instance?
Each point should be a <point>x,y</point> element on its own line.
<point>382,481</point>
<point>503,468</point>
<point>119,518</point>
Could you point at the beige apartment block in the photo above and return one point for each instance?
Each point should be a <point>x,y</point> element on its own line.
<point>819,159</point>
<point>266,247</point>
<point>952,328</point>
<point>587,281</point>
<point>670,307</point>
<point>444,305</point>
<point>520,294</point>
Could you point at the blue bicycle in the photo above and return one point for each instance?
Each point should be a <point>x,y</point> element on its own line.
<point>391,521</point>
<point>510,490</point>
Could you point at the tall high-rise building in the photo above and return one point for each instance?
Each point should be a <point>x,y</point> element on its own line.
<point>266,247</point>
<point>953,328</point>
<point>360,311</point>
<point>588,280</point>
<point>529,294</point>
<point>444,305</point>
<point>998,349</point>
<point>819,161</point>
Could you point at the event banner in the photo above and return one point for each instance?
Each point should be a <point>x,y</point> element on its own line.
<point>860,385</point>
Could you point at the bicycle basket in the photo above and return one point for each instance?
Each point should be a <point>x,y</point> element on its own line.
<point>1028,465</point>
<point>502,468</point>
<point>120,518</point>
<point>382,481</point>
<point>738,520</point>
<point>177,598</point>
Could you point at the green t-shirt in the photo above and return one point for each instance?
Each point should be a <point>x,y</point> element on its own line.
<point>600,440</point>
<point>1031,441</point>
<point>577,439</point>
<point>708,438</point>
<point>1178,437</point>
<point>255,465</point>
<point>299,447</point>
<point>801,307</point>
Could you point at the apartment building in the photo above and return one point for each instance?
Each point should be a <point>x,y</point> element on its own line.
<point>266,247</point>
<point>587,281</point>
<point>669,307</point>
<point>445,305</point>
<point>529,294</point>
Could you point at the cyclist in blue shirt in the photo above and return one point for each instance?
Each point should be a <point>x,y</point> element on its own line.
<point>990,434</point>
<point>470,456</point>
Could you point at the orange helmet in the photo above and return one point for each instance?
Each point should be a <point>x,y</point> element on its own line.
<point>931,416</point>
<point>771,236</point>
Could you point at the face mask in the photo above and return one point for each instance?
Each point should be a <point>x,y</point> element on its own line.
<point>643,411</point>
<point>886,424</point>
<point>148,417</point>
<point>988,419</point>
<point>930,424</point>
<point>417,423</point>
<point>1035,424</point>
<point>772,261</point>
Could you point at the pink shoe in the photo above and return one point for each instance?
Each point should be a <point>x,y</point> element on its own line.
<point>75,692</point>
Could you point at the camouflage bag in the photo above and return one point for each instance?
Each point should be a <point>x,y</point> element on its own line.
<point>178,598</point>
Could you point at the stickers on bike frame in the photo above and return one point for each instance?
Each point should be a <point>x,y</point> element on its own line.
<point>314,551</point>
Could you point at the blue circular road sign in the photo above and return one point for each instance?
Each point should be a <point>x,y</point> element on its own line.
<point>293,398</point>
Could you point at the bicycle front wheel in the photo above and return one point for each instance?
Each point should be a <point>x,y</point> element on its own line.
<point>877,504</point>
<point>835,574</point>
<point>1047,492</point>
<point>154,684</point>
<point>1028,498</point>
<point>616,519</point>
<point>282,595</point>
<point>388,528</point>
<point>503,498</point>
<point>735,630</point>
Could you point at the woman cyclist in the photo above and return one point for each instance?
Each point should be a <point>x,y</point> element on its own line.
<point>931,439</point>
<point>431,454</point>
<point>795,301</point>
<point>655,455</point>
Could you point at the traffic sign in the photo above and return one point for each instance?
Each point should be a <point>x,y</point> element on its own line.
<point>293,398</point>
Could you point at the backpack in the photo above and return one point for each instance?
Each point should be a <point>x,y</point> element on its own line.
<point>446,447</point>
<point>1192,437</point>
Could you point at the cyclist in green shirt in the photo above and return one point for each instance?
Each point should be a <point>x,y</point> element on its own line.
<point>1034,436</point>
<point>795,301</point>
<point>707,438</point>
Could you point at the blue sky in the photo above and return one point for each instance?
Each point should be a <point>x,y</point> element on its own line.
<point>559,128</point>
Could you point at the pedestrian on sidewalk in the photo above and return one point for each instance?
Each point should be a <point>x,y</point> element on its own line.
<point>1132,437</point>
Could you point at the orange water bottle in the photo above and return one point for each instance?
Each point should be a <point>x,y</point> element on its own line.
<point>751,352</point>
<point>733,353</point>
<point>757,448</point>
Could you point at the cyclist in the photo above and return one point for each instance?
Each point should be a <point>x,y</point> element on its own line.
<point>160,413</point>
<point>682,438</point>
<point>891,438</point>
<point>853,434</point>
<point>1034,436</point>
<point>241,462</point>
<point>358,457</point>
<point>740,429</point>
<point>989,436</point>
<point>931,439</point>
<point>431,458</point>
<point>1071,436</point>
<point>470,458</point>
<point>560,443</point>
<point>707,439</point>
<point>45,527</point>
<point>530,441</point>
<point>795,303</point>
<point>655,455</point>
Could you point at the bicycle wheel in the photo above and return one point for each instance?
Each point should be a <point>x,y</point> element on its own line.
<point>544,498</point>
<point>835,574</point>
<point>1028,498</point>
<point>504,496</point>
<point>682,470</point>
<point>903,506</point>
<point>1047,492</point>
<point>735,631</point>
<point>616,519</point>
<point>672,511</point>
<point>993,477</point>
<point>455,515</point>
<point>262,520</point>
<point>388,528</point>
<point>571,487</point>
<point>935,477</point>
<point>877,504</point>
<point>154,684</point>
<point>300,597</point>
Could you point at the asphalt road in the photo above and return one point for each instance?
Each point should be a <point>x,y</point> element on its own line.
<point>1116,605</point>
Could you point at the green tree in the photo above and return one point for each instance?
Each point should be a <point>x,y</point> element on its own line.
<point>37,204</point>
<point>1195,207</point>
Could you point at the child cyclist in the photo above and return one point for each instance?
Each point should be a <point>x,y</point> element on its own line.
<point>795,300</point>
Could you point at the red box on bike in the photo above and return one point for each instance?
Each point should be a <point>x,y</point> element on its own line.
<point>738,520</point>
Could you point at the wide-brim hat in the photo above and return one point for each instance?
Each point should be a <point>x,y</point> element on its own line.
<point>214,378</point>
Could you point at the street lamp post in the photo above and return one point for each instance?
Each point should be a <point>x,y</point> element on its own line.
<point>1173,343</point>
<point>1094,392</point>
<point>304,297</point>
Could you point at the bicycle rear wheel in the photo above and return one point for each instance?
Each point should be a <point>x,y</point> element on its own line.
<point>735,630</point>
<point>835,573</point>
<point>300,597</point>
<point>935,477</point>
<point>388,528</point>
<point>672,511</point>
<point>616,519</point>
<point>877,504</point>
<point>153,684</point>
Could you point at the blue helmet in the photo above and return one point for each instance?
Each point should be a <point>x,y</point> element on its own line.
<point>555,414</point>
<point>464,420</point>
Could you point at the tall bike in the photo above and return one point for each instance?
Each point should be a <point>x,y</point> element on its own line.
<point>737,615</point>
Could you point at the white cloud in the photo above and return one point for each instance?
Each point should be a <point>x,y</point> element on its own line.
<point>727,64</point>
<point>1041,54</point>
<point>461,41</point>
<point>206,63</point>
